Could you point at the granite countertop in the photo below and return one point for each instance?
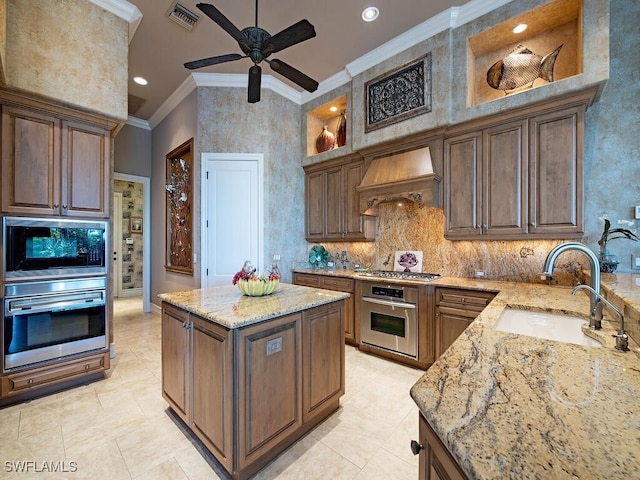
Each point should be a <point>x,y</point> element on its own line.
<point>227,306</point>
<point>512,406</point>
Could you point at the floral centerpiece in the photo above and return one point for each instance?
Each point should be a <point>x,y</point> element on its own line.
<point>256,285</point>
<point>608,262</point>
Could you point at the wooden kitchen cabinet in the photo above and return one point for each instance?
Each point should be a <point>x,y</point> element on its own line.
<point>517,175</point>
<point>435,462</point>
<point>332,202</point>
<point>248,393</point>
<point>54,163</point>
<point>455,310</point>
<point>339,284</point>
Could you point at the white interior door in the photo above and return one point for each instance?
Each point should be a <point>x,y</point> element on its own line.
<point>231,215</point>
<point>116,244</point>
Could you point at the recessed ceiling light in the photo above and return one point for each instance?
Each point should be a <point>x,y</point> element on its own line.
<point>520,28</point>
<point>333,109</point>
<point>369,14</point>
<point>140,80</point>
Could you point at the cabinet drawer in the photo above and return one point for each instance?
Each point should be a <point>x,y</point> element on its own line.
<point>463,299</point>
<point>25,380</point>
<point>307,279</point>
<point>338,283</point>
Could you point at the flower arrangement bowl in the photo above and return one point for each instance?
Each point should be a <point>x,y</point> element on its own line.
<point>257,288</point>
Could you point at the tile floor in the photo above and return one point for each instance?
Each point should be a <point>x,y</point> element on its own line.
<point>121,428</point>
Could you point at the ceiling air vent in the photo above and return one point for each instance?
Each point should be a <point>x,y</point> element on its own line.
<point>183,16</point>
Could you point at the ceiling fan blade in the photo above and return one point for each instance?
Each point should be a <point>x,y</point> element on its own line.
<point>255,76</point>
<point>296,76</point>
<point>296,33</point>
<point>205,62</point>
<point>216,15</point>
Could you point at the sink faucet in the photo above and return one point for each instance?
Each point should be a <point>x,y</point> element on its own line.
<point>595,312</point>
<point>622,339</point>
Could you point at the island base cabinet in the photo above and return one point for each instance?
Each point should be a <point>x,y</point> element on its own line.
<point>212,411</point>
<point>269,386</point>
<point>251,392</point>
<point>436,463</point>
<point>175,361</point>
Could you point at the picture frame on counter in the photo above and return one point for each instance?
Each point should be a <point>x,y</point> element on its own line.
<point>398,95</point>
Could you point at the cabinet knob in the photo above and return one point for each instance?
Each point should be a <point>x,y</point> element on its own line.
<point>415,447</point>
<point>64,206</point>
<point>533,224</point>
<point>56,205</point>
<point>485,226</point>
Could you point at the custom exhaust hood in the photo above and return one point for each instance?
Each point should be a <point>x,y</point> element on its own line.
<point>407,175</point>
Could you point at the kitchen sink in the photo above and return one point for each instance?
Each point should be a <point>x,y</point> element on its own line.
<point>552,326</point>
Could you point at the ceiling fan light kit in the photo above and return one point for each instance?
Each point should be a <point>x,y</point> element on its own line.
<point>257,45</point>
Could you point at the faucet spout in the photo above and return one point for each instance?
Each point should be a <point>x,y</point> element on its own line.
<point>595,313</point>
<point>622,339</point>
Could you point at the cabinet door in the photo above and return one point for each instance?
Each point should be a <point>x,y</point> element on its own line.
<point>269,385</point>
<point>323,361</point>
<point>30,162</point>
<point>556,173</point>
<point>315,205</point>
<point>450,323</point>
<point>212,413</point>
<point>334,204</point>
<point>353,222</point>
<point>504,166</point>
<point>436,463</point>
<point>175,358</point>
<point>463,183</point>
<point>85,170</point>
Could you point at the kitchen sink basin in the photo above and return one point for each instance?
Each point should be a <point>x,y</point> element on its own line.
<point>552,326</point>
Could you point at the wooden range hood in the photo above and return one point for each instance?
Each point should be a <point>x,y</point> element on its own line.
<point>406,175</point>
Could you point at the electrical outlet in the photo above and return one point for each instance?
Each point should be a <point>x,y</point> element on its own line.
<point>276,257</point>
<point>637,215</point>
<point>635,262</point>
<point>480,274</point>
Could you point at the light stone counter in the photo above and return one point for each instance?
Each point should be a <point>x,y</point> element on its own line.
<point>512,406</point>
<point>227,306</point>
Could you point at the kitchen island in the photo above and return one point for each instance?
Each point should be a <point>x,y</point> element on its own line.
<point>251,375</point>
<point>502,405</point>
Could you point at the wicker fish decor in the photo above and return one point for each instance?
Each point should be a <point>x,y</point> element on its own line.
<point>521,67</point>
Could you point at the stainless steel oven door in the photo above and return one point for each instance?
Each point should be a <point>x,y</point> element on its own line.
<point>56,322</point>
<point>391,325</point>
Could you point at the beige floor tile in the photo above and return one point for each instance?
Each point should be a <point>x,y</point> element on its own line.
<point>385,466</point>
<point>120,428</point>
<point>308,460</point>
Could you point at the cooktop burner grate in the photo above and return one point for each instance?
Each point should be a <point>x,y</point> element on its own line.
<point>402,275</point>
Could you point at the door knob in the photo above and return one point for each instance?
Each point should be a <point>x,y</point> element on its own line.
<point>415,447</point>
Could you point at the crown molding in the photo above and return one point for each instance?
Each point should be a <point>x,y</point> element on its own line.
<point>138,123</point>
<point>124,10</point>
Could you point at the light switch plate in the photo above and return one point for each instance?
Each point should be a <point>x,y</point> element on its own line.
<point>637,215</point>
<point>635,262</point>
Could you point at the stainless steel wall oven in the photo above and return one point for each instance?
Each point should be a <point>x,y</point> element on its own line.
<point>389,317</point>
<point>45,321</point>
<point>42,248</point>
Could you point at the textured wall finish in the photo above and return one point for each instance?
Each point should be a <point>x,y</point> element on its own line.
<point>132,255</point>
<point>71,51</point>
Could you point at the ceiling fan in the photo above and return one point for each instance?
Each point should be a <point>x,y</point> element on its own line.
<point>257,45</point>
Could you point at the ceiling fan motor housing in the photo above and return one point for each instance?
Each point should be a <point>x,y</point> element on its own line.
<point>256,37</point>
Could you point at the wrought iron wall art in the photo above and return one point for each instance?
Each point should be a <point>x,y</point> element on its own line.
<point>179,188</point>
<point>399,95</point>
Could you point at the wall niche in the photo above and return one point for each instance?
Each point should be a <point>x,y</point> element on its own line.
<point>327,114</point>
<point>556,23</point>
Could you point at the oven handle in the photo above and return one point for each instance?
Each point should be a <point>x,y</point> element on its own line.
<point>388,303</point>
<point>52,303</point>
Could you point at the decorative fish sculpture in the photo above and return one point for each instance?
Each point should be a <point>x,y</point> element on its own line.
<point>521,67</point>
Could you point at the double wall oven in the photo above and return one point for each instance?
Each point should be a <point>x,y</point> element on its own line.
<point>54,290</point>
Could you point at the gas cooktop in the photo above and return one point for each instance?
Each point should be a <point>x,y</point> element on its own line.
<point>391,275</point>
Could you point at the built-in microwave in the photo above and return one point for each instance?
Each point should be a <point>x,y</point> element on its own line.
<point>42,248</point>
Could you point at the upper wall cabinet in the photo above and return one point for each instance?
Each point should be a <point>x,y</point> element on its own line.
<point>53,164</point>
<point>332,203</point>
<point>519,174</point>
